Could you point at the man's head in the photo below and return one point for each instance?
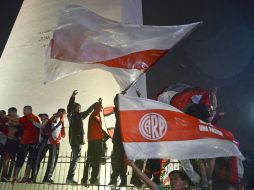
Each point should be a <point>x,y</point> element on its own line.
<point>27,110</point>
<point>43,116</point>
<point>2,112</point>
<point>12,112</point>
<point>178,180</point>
<point>61,112</point>
<point>77,107</point>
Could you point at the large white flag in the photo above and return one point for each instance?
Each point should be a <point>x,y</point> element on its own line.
<point>151,129</point>
<point>84,40</point>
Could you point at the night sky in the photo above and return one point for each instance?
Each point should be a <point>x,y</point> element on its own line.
<point>219,53</point>
<point>8,12</point>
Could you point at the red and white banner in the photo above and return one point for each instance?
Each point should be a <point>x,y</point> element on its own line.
<point>151,129</point>
<point>84,40</point>
<point>182,95</point>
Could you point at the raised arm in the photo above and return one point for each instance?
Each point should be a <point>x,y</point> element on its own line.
<point>142,176</point>
<point>57,125</point>
<point>14,119</point>
<point>214,97</point>
<point>70,106</point>
<point>63,131</point>
<point>88,111</point>
<point>213,103</point>
<point>39,125</point>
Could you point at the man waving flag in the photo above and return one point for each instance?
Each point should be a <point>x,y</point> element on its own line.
<point>152,129</point>
<point>84,40</point>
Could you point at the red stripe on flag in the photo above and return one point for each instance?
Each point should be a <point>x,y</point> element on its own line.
<point>180,127</point>
<point>139,60</point>
<point>182,99</point>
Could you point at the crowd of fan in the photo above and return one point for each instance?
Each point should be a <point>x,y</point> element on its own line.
<point>31,136</point>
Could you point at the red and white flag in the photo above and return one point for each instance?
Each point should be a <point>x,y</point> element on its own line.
<point>84,40</point>
<point>182,95</point>
<point>151,129</point>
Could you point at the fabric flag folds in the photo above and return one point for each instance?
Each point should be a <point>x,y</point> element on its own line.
<point>182,95</point>
<point>151,129</point>
<point>84,40</point>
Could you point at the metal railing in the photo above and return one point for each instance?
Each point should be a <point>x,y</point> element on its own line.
<point>60,174</point>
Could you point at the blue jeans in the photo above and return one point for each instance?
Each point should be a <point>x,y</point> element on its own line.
<point>76,151</point>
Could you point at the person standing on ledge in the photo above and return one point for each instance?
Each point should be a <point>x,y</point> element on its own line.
<point>76,133</point>
<point>95,142</point>
<point>28,142</point>
<point>119,168</point>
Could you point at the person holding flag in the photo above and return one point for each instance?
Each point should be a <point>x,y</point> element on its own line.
<point>118,155</point>
<point>178,179</point>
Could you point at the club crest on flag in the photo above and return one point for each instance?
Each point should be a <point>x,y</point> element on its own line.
<point>151,129</point>
<point>153,126</point>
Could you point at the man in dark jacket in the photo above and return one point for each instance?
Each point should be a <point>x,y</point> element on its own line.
<point>76,133</point>
<point>119,168</point>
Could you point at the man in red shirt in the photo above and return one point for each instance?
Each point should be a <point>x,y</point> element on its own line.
<point>14,133</point>
<point>95,142</point>
<point>28,142</point>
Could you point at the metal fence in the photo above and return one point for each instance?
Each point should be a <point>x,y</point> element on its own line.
<point>60,174</point>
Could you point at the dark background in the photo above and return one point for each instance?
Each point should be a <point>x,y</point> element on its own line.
<point>8,12</point>
<point>219,53</point>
